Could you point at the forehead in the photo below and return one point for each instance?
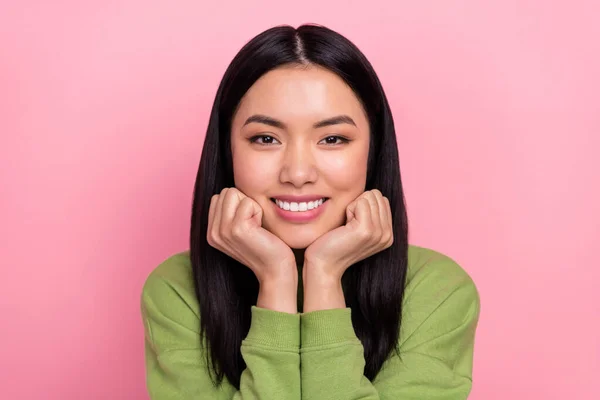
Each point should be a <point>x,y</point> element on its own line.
<point>300,92</point>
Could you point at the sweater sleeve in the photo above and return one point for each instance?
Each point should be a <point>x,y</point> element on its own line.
<point>176,366</point>
<point>436,348</point>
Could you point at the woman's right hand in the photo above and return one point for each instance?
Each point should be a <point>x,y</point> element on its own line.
<point>235,228</point>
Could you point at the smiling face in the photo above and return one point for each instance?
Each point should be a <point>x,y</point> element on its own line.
<point>300,131</point>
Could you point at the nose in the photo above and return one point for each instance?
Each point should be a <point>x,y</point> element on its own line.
<point>298,167</point>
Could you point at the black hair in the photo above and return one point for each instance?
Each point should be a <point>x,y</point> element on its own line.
<point>226,289</point>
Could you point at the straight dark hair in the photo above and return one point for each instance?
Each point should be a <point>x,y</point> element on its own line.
<point>226,289</point>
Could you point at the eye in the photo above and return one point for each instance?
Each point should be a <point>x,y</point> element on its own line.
<point>333,140</point>
<point>266,140</point>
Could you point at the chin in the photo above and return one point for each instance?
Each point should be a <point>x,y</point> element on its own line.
<point>295,241</point>
<point>296,238</point>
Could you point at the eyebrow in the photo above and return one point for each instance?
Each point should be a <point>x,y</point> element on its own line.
<point>263,119</point>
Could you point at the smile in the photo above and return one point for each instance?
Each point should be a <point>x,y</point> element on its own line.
<point>300,206</point>
<point>300,212</point>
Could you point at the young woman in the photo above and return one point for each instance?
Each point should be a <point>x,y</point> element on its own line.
<point>300,282</point>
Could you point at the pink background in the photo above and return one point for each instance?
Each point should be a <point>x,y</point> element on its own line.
<point>103,108</point>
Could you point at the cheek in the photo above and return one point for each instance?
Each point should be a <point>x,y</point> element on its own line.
<point>345,171</point>
<point>252,174</point>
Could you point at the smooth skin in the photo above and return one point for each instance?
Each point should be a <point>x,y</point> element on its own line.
<point>295,156</point>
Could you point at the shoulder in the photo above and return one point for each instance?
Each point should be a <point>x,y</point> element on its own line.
<point>434,270</point>
<point>177,268</point>
<point>438,294</point>
<point>168,293</point>
<point>174,272</point>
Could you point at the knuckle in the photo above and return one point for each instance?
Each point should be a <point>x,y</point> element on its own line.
<point>245,201</point>
<point>223,232</point>
<point>389,237</point>
<point>237,231</point>
<point>385,238</point>
<point>212,240</point>
<point>364,234</point>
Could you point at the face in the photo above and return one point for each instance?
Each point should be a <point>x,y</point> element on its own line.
<point>300,131</point>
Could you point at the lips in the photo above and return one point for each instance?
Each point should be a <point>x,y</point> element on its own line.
<point>301,206</point>
<point>301,216</point>
<point>298,199</point>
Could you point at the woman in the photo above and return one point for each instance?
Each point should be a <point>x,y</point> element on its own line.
<point>299,282</point>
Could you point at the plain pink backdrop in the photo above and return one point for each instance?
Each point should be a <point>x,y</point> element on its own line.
<point>103,109</point>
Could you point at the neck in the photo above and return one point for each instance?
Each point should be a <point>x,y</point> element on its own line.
<point>299,255</point>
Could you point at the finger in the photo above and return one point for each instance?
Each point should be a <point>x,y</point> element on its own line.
<point>388,209</point>
<point>218,211</point>
<point>238,192</point>
<point>350,211</point>
<point>390,222</point>
<point>381,207</point>
<point>374,206</point>
<point>363,213</point>
<point>211,211</point>
<point>247,210</point>
<point>229,207</point>
<point>387,233</point>
<point>351,208</point>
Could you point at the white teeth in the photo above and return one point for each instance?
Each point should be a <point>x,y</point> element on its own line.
<point>303,206</point>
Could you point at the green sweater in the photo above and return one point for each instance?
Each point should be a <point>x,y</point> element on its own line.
<point>317,355</point>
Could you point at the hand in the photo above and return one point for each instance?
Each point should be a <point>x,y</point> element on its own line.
<point>368,230</point>
<point>235,228</point>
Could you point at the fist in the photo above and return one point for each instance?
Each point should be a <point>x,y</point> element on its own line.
<point>368,230</point>
<point>235,228</point>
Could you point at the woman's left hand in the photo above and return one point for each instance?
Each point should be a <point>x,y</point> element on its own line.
<point>368,230</point>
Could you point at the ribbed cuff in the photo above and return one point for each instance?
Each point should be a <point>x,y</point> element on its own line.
<point>274,329</point>
<point>323,327</point>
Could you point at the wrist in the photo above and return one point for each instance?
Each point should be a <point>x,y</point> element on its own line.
<point>278,294</point>
<point>322,291</point>
<point>321,274</point>
<point>285,273</point>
